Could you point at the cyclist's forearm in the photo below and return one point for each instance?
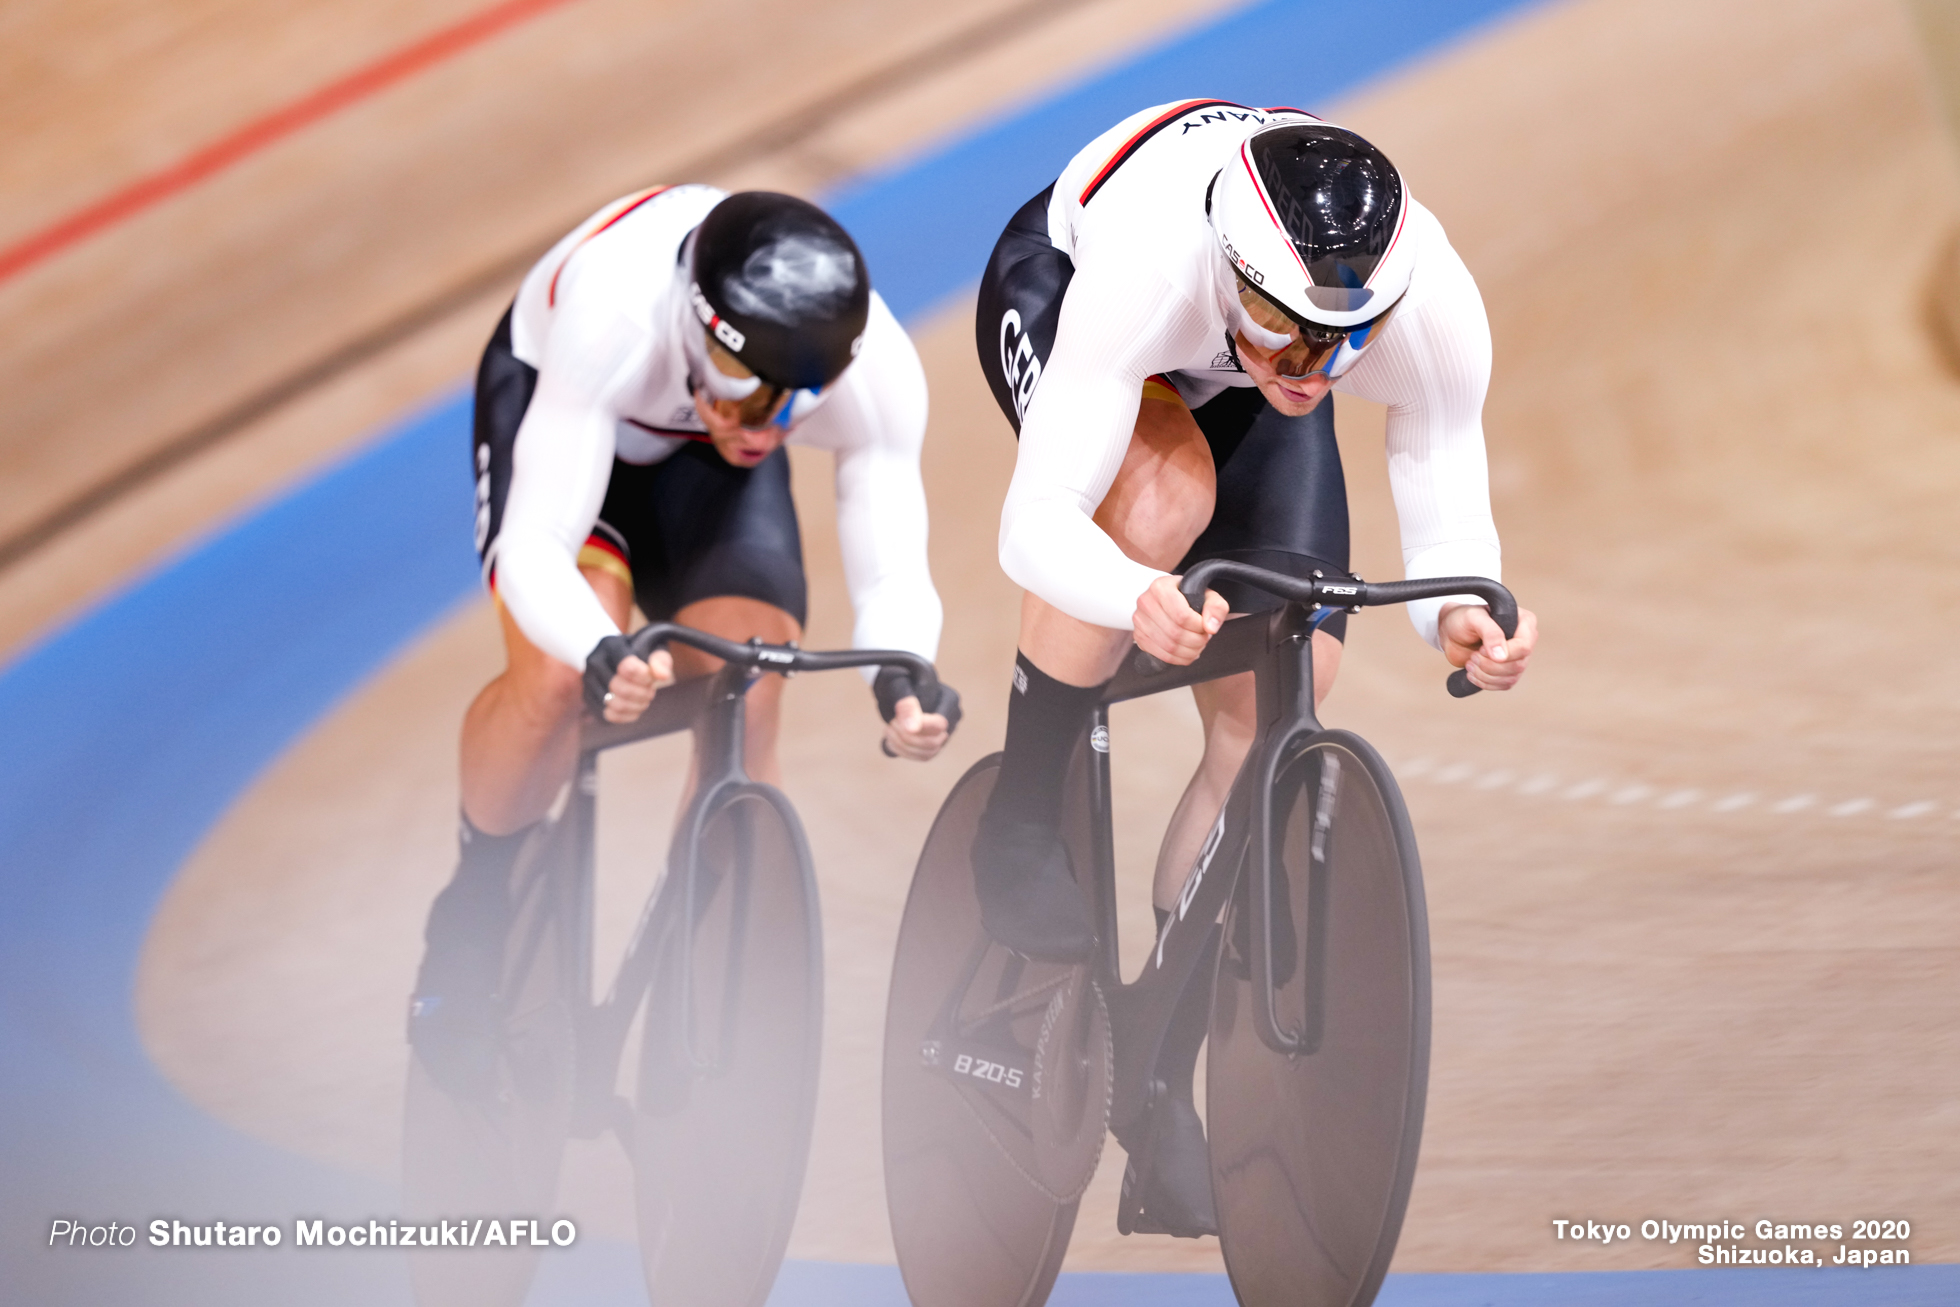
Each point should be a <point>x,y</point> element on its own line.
<point>1055,551</point>
<point>1473,557</point>
<point>539,582</point>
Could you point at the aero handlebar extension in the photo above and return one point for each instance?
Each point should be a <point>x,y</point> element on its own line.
<point>1347,594</point>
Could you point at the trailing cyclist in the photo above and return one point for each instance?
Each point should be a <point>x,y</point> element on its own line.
<point>631,412</point>
<point>1162,326</point>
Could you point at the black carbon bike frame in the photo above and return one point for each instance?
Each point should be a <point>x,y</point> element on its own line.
<point>1277,648</point>
<point>712,706</point>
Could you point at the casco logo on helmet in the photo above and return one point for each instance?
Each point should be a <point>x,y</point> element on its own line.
<point>724,331</point>
<point>1258,277</point>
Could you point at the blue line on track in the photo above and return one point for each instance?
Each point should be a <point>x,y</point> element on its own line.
<point>125,735</point>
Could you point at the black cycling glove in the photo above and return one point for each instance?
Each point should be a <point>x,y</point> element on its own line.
<point>893,684</point>
<point>600,666</point>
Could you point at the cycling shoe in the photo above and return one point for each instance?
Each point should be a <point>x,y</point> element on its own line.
<point>455,1020</point>
<point>457,1037</point>
<point>1177,1200</point>
<point>1029,901</point>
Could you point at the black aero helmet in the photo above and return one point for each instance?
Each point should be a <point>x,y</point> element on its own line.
<point>1314,218</point>
<point>782,287</point>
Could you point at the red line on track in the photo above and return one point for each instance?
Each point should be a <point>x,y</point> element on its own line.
<point>262,132</point>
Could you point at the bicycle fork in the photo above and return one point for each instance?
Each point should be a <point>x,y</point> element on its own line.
<point>1268,897</point>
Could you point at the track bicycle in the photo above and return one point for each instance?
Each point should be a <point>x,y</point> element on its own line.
<point>1302,926</point>
<point>724,976</point>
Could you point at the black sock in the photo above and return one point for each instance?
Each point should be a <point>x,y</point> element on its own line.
<point>468,919</point>
<point>1045,722</point>
<point>1179,1060</point>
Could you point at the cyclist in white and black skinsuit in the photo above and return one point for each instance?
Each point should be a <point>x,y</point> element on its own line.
<point>631,409</point>
<point>1163,325</point>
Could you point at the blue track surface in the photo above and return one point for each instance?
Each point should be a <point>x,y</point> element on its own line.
<point>125,736</point>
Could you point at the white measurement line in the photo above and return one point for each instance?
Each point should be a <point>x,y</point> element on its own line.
<point>1629,794</point>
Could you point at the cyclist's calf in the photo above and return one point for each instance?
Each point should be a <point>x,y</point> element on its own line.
<point>520,736</point>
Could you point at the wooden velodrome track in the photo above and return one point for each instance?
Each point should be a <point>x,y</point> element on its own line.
<point>1723,461</point>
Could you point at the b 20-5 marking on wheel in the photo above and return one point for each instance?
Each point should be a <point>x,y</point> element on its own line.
<point>1668,799</point>
<point>995,1073</point>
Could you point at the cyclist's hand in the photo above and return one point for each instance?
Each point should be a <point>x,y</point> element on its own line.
<point>1168,629</point>
<point>911,731</point>
<point>634,683</point>
<point>1472,641</point>
<point>914,733</point>
<point>620,686</point>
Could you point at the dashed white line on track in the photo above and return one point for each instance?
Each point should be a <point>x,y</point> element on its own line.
<point>1627,794</point>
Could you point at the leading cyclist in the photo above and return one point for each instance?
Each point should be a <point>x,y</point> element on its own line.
<point>631,410</point>
<point>1162,326</point>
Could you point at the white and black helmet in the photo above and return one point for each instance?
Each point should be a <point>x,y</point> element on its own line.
<point>1316,220</point>
<point>782,287</point>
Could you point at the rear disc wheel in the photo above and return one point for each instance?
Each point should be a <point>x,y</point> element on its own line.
<point>996,1085</point>
<point>500,1154</point>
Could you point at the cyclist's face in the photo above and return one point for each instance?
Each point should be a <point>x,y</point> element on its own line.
<point>743,429</point>
<point>1271,373</point>
<point>1310,348</point>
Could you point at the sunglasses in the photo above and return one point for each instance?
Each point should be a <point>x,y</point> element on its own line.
<point>1297,350</point>
<point>728,380</point>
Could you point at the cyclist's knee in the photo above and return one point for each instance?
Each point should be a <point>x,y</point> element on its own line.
<point>765,704</point>
<point>1163,495</point>
<point>733,617</point>
<point>534,683</point>
<point>1165,522</point>
<point>545,689</point>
